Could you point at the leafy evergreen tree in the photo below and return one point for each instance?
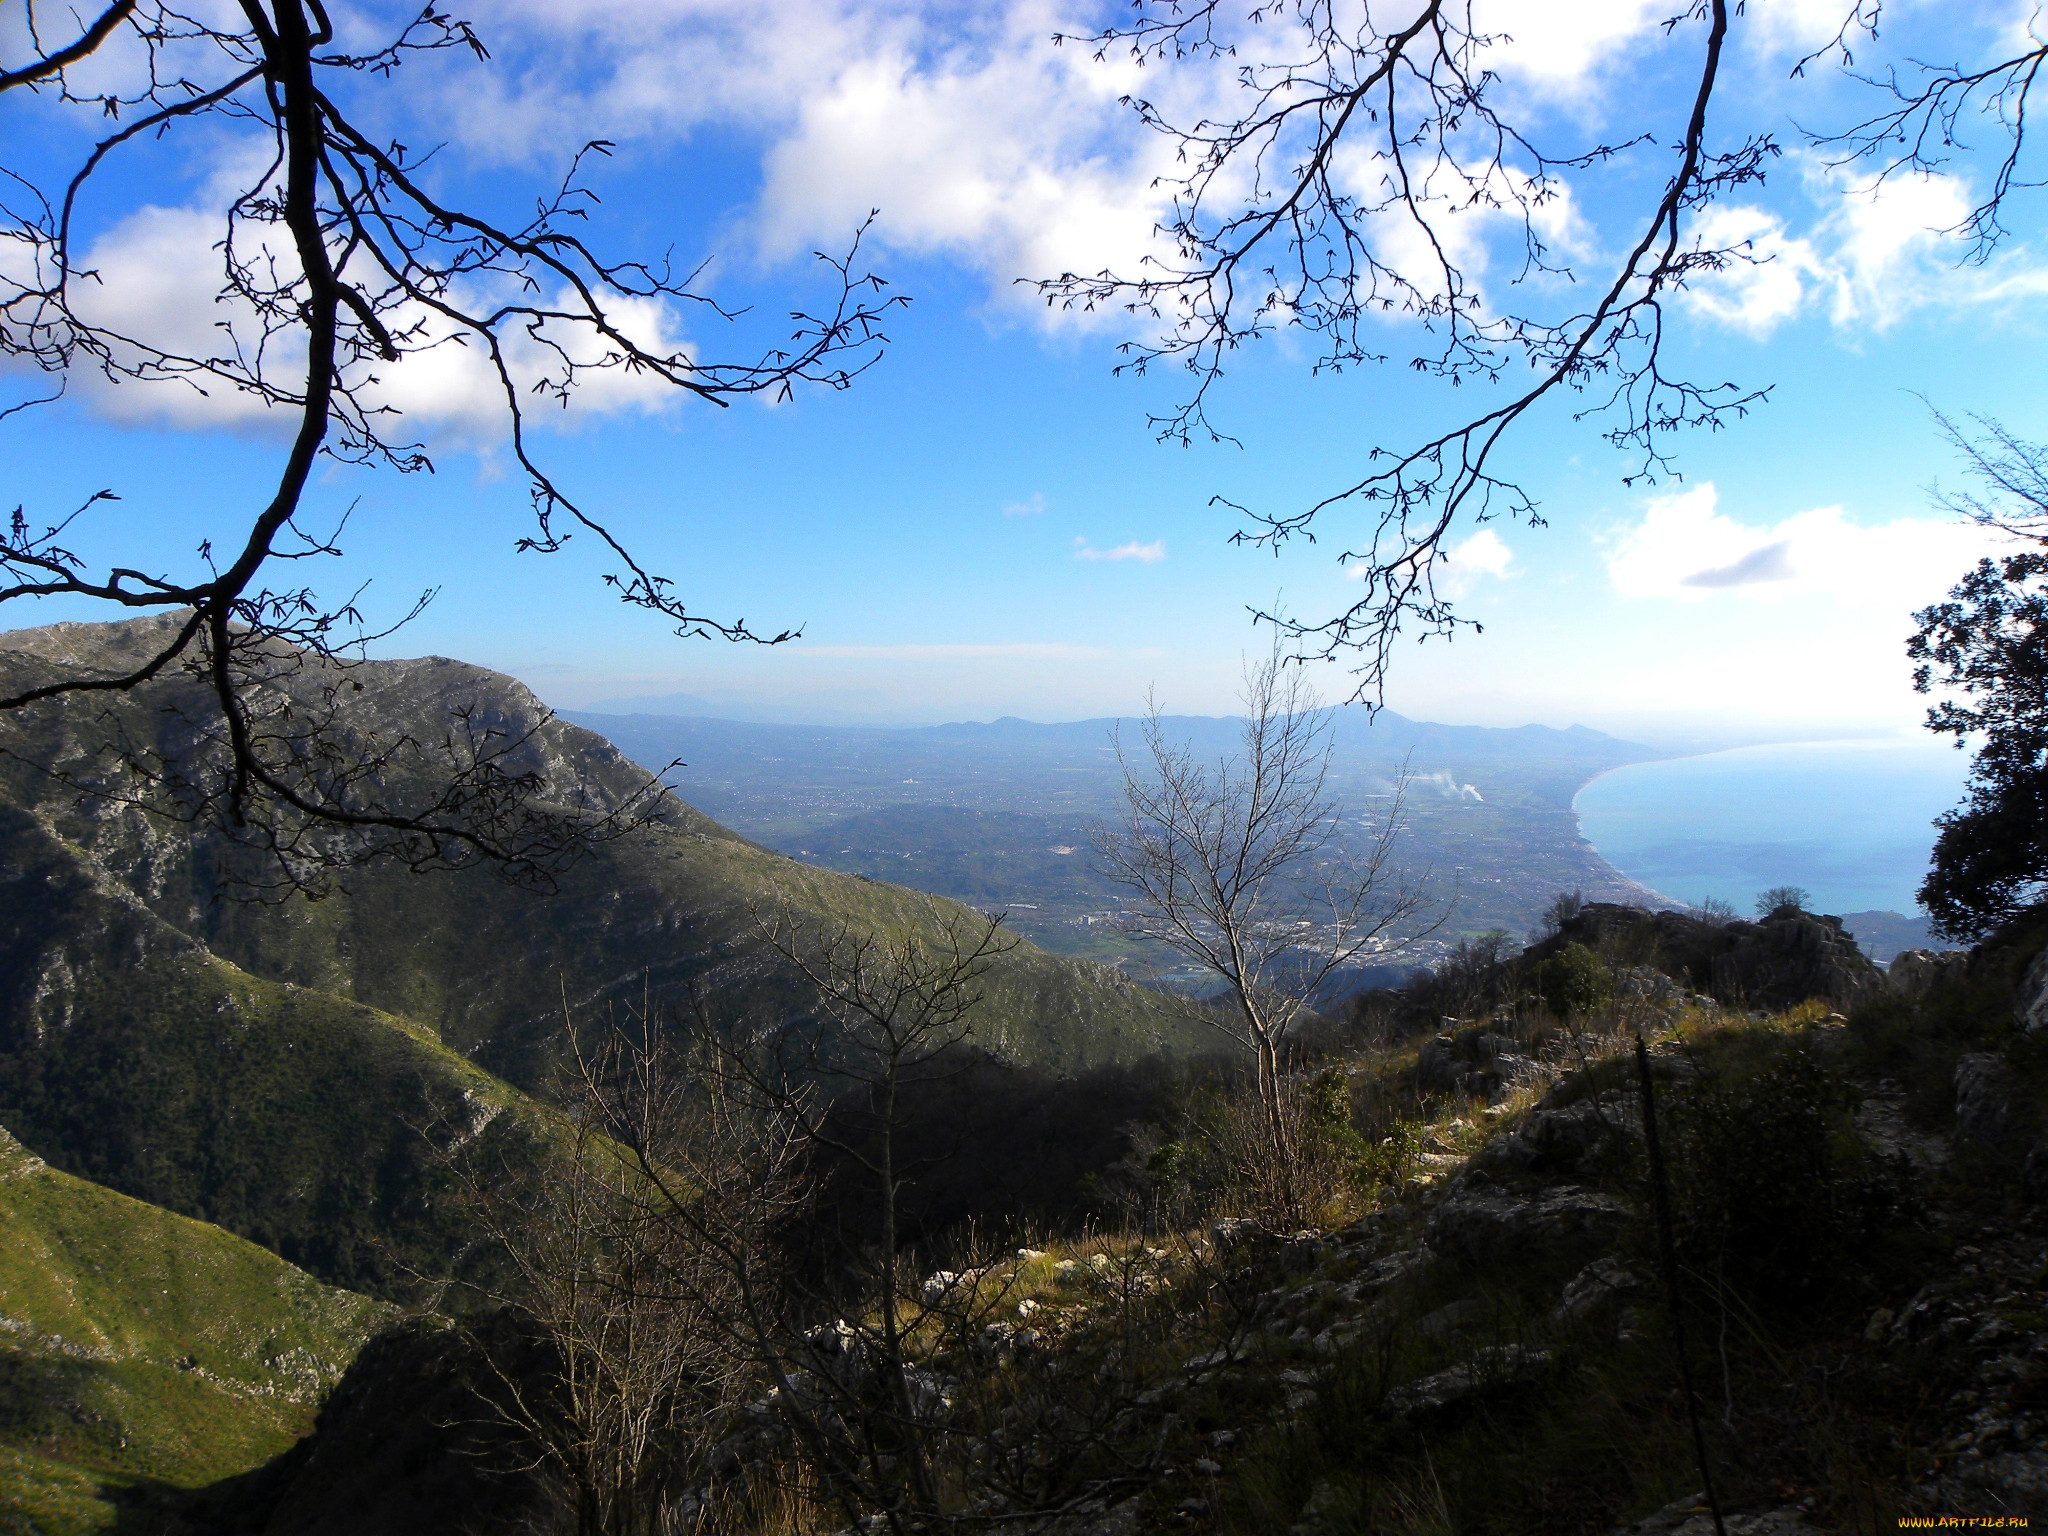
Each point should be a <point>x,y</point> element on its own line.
<point>1989,644</point>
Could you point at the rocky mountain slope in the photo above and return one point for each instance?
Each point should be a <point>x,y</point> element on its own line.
<point>302,1073</point>
<point>487,968</point>
<point>1485,1338</point>
<point>282,1066</point>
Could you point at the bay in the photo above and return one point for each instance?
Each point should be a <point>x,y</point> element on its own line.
<point>1851,821</point>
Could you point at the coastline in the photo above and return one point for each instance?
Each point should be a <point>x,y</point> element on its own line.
<point>1849,818</point>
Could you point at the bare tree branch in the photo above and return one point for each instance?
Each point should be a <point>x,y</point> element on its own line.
<point>88,41</point>
<point>1928,125</point>
<point>337,264</point>
<point>1355,149</point>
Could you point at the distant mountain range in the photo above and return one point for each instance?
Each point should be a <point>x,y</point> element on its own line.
<point>808,713</point>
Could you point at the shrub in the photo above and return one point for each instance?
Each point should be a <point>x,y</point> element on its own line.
<point>1564,906</point>
<point>1573,981</point>
<point>1773,1195</point>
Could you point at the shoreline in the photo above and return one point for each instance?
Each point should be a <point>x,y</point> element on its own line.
<point>1729,822</point>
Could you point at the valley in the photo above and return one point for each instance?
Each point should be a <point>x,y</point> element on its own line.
<point>249,1141</point>
<point>1002,815</point>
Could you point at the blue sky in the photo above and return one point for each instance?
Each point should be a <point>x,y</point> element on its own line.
<point>984,524</point>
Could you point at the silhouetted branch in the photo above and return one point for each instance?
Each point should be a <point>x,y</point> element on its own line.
<point>1328,206</point>
<point>338,264</point>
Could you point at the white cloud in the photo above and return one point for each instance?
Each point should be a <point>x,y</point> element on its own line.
<point>1766,281</point>
<point>983,144</point>
<point>1685,547</point>
<point>974,137</point>
<point>159,275</point>
<point>1874,254</point>
<point>1553,45</point>
<point>1483,553</point>
<point>1144,554</point>
<point>1032,506</point>
<point>1005,153</point>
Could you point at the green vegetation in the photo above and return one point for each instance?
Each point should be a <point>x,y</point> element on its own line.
<point>308,1124</point>
<point>144,1350</point>
<point>1573,981</point>
<point>1788,1238</point>
<point>665,914</point>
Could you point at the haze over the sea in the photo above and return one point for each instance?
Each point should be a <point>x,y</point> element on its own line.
<point>1851,821</point>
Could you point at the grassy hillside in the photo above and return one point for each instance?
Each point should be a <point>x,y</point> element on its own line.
<point>139,1348</point>
<point>132,1056</point>
<point>298,1073</point>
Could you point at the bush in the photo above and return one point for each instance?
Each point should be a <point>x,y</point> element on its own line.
<point>1211,1157</point>
<point>1772,1194</point>
<point>1573,981</point>
<point>1564,906</point>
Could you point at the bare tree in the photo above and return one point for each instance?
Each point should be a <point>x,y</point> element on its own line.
<point>1794,896</point>
<point>1240,867</point>
<point>725,1142</point>
<point>865,1386</point>
<point>899,1008</point>
<point>632,1382</point>
<point>1936,110</point>
<point>339,264</point>
<point>1327,199</point>
<point>1272,224</point>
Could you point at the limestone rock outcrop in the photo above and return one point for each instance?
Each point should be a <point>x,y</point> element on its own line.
<point>1775,962</point>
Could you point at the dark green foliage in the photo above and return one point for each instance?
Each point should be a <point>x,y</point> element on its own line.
<point>409,1441</point>
<point>1326,1101</point>
<point>1329,1123</point>
<point>1573,981</point>
<point>1000,1146</point>
<point>1476,974</point>
<point>1989,641</point>
<point>1772,1195</point>
<point>298,1121</point>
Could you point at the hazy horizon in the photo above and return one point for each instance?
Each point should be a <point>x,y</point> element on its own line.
<point>985,523</point>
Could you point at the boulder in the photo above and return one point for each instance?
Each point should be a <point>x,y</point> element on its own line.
<point>1784,959</point>
<point>1647,984</point>
<point>1478,1061</point>
<point>1983,1100</point>
<point>1791,956</point>
<point>1495,1368</point>
<point>2030,1008</point>
<point>1436,1066</point>
<point>1914,972</point>
<point>1571,1140</point>
<point>1478,1225</point>
<point>1692,1517</point>
<point>1602,1284</point>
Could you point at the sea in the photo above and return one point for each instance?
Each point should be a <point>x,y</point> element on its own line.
<point>1850,821</point>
